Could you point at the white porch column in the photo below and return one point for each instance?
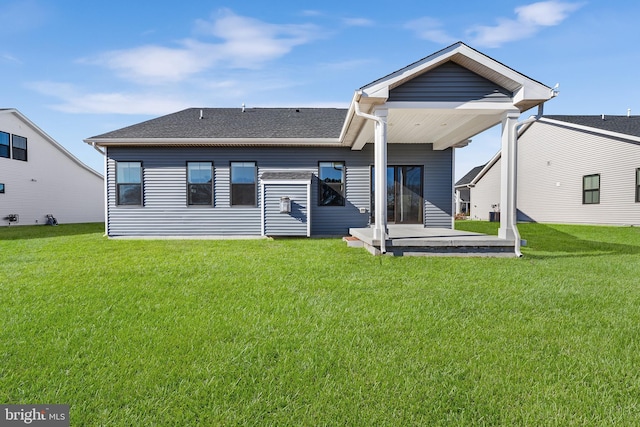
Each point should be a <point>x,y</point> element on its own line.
<point>508,178</point>
<point>380,230</point>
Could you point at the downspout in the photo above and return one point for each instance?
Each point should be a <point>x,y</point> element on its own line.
<point>95,147</point>
<point>516,125</point>
<point>383,239</point>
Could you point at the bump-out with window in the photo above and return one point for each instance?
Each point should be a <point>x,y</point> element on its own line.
<point>591,189</point>
<point>331,180</point>
<point>200,183</point>
<point>243,184</point>
<point>129,183</point>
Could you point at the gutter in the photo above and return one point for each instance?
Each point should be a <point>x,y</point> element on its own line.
<point>383,240</point>
<point>518,242</point>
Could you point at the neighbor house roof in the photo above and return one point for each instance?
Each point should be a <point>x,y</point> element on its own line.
<point>627,125</point>
<point>465,180</point>
<point>236,124</point>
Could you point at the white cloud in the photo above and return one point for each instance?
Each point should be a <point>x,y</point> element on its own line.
<point>358,22</point>
<point>241,42</point>
<point>74,100</point>
<point>10,58</point>
<point>429,29</point>
<point>529,20</point>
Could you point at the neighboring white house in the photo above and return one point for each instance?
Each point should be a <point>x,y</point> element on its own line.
<point>38,177</point>
<point>571,169</point>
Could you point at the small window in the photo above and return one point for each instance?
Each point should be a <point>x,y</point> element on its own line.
<point>4,144</point>
<point>200,183</point>
<point>1,188</point>
<point>19,148</point>
<point>331,179</point>
<point>243,184</point>
<point>591,189</point>
<point>129,183</point>
<point>638,185</point>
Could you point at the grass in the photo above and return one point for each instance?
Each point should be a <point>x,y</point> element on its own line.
<point>310,332</point>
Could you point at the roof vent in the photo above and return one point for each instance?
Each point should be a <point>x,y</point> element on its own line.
<point>628,112</point>
<point>243,107</point>
<point>603,117</point>
<point>201,115</point>
<point>297,110</point>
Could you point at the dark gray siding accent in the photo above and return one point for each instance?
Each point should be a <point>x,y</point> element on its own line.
<point>285,224</point>
<point>438,189</point>
<point>165,210</point>
<point>449,82</point>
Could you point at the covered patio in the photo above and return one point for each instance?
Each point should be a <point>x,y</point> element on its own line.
<point>444,100</point>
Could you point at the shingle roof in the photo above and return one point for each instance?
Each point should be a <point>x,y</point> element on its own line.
<point>470,175</point>
<point>234,123</point>
<point>620,124</point>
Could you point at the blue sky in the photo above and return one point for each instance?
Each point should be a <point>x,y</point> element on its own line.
<point>79,69</point>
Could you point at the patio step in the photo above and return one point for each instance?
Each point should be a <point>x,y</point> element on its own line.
<point>353,242</point>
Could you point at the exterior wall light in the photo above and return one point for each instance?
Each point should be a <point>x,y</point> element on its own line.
<point>285,205</point>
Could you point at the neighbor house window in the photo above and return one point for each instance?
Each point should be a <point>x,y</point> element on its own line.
<point>19,147</point>
<point>331,179</point>
<point>243,184</point>
<point>200,183</point>
<point>591,189</point>
<point>129,183</point>
<point>638,185</point>
<point>4,144</point>
<point>1,188</point>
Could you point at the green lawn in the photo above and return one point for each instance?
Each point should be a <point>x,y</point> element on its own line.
<point>310,332</point>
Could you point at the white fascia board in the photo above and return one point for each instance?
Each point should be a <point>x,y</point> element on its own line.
<point>285,181</point>
<point>49,139</point>
<point>591,129</point>
<point>295,142</point>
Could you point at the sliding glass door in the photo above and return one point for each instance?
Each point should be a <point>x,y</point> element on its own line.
<point>405,202</point>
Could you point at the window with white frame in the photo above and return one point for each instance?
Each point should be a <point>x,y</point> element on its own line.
<point>243,184</point>
<point>200,183</point>
<point>129,183</point>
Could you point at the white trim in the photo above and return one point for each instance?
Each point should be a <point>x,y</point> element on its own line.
<point>106,192</point>
<point>263,213</point>
<point>309,208</point>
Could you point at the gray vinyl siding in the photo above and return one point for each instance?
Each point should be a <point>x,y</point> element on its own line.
<point>165,210</point>
<point>438,190</point>
<point>449,82</point>
<point>552,161</point>
<point>286,224</point>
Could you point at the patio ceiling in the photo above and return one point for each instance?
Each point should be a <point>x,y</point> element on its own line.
<point>443,128</point>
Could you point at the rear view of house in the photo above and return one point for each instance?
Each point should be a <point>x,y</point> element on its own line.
<point>388,159</point>
<point>39,177</point>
